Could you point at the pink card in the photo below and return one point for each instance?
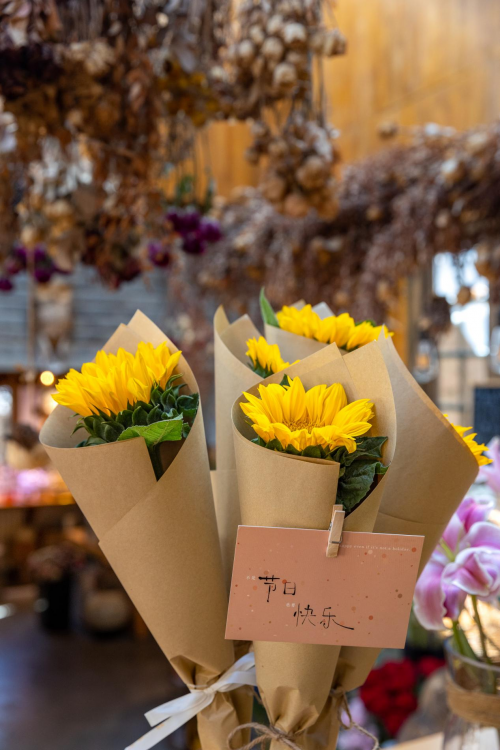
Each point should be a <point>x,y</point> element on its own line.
<point>284,588</point>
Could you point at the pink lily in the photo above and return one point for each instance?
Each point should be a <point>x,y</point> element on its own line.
<point>467,561</point>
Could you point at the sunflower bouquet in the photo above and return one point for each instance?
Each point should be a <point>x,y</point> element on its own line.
<point>319,423</point>
<point>123,396</point>
<point>154,516</point>
<point>319,433</point>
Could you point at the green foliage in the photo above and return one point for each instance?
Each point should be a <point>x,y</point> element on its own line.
<point>267,312</point>
<point>159,432</point>
<point>168,416</point>
<point>263,372</point>
<point>358,470</point>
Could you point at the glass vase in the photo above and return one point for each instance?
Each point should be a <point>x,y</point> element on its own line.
<point>476,677</point>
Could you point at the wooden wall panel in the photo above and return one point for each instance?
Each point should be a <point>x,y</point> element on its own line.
<point>408,61</point>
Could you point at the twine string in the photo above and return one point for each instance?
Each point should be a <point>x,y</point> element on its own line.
<point>475,707</point>
<point>342,705</point>
<point>264,734</point>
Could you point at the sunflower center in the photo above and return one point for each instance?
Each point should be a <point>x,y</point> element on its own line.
<point>301,424</point>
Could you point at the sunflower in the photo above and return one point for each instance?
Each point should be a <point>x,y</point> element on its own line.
<point>364,333</point>
<point>477,449</point>
<point>305,322</point>
<point>301,419</point>
<point>115,382</point>
<point>334,329</point>
<point>265,358</point>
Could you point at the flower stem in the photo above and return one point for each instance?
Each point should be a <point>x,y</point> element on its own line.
<point>491,687</point>
<point>461,643</point>
<point>480,628</point>
<point>155,460</point>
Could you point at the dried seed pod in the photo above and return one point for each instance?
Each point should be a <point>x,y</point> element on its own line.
<point>257,35</point>
<point>273,49</point>
<point>334,43</point>
<point>296,205</point>
<point>273,188</point>
<point>285,76</point>
<point>259,129</point>
<point>317,41</point>
<point>452,170</point>
<point>275,25</point>
<point>246,52</point>
<point>278,148</point>
<point>299,60</point>
<point>313,173</point>
<point>295,36</point>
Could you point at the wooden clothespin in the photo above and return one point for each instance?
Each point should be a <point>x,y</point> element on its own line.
<point>335,531</point>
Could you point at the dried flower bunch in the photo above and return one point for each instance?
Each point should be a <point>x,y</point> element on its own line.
<point>267,59</point>
<point>100,99</point>
<point>436,192</point>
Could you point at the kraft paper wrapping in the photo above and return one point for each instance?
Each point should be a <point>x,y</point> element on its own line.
<point>431,471</point>
<point>232,377</point>
<point>281,490</point>
<point>161,539</point>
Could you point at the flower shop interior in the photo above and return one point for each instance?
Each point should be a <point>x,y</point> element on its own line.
<point>173,157</point>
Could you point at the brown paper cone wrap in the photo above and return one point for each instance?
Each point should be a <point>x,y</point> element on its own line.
<point>431,471</point>
<point>295,492</point>
<point>232,377</point>
<point>160,537</point>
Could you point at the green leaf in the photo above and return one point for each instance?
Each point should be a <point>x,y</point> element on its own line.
<point>159,432</point>
<point>155,414</point>
<point>356,482</point>
<point>144,405</point>
<point>285,381</point>
<point>267,312</point>
<point>367,448</point>
<point>186,429</point>
<point>91,441</point>
<point>125,418</point>
<point>312,451</point>
<point>274,445</point>
<point>257,368</point>
<point>139,416</point>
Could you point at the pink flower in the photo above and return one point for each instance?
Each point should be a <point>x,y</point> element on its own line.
<point>491,472</point>
<point>466,561</point>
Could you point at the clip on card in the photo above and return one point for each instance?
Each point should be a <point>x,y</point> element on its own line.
<point>335,531</point>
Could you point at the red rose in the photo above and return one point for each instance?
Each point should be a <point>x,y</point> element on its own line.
<point>429,664</point>
<point>394,722</point>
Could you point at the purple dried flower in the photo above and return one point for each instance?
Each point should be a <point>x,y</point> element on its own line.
<point>158,254</point>
<point>193,243</point>
<point>210,230</point>
<point>6,284</point>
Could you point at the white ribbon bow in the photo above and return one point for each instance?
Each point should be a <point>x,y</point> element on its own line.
<point>177,712</point>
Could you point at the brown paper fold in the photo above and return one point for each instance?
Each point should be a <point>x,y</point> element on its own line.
<point>160,538</point>
<point>232,377</point>
<point>291,491</point>
<point>430,473</point>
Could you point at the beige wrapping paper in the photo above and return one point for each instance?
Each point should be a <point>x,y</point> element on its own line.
<point>431,471</point>
<point>232,377</point>
<point>290,491</point>
<point>160,538</point>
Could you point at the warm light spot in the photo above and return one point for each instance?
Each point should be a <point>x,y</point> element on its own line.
<point>254,588</point>
<point>413,549</point>
<point>371,617</point>
<point>47,378</point>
